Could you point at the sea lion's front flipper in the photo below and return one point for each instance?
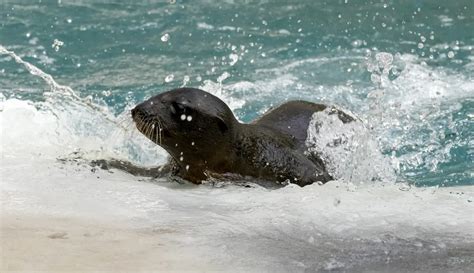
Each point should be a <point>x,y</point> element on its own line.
<point>302,171</point>
<point>287,165</point>
<point>107,164</point>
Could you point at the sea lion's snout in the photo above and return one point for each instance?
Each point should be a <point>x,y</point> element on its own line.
<point>145,110</point>
<point>138,114</point>
<point>147,119</point>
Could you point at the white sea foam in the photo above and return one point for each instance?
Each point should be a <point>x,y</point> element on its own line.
<point>243,229</point>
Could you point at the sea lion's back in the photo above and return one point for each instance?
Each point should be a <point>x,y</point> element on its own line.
<point>293,118</point>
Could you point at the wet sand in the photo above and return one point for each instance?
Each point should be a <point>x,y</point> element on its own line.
<point>52,244</point>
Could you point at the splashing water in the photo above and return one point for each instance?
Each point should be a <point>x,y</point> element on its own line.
<point>349,150</point>
<point>76,122</point>
<point>55,88</point>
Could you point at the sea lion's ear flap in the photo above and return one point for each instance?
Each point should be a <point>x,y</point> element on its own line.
<point>222,125</point>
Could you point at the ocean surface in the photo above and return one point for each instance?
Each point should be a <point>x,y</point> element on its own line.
<point>70,71</point>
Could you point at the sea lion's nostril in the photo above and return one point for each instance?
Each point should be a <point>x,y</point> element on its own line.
<point>172,109</point>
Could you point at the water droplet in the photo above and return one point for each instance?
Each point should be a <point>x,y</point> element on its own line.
<point>233,58</point>
<point>186,79</point>
<point>181,158</point>
<point>57,44</point>
<point>183,117</point>
<point>223,77</point>
<point>450,54</point>
<point>420,45</point>
<point>169,78</point>
<point>356,43</point>
<point>423,39</point>
<point>189,118</point>
<point>165,38</point>
<point>192,143</point>
<point>187,167</point>
<point>69,20</point>
<point>375,78</point>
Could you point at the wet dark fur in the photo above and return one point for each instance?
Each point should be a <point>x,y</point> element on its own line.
<point>204,139</point>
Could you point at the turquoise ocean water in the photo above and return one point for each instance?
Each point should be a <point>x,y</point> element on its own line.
<point>405,67</point>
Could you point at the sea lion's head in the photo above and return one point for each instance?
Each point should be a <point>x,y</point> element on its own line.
<point>185,120</point>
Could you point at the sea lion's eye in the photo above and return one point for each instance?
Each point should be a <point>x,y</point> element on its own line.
<point>177,108</point>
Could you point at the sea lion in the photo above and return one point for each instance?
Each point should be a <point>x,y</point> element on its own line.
<point>205,140</point>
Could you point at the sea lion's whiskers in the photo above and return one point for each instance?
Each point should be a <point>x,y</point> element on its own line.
<point>148,128</point>
<point>125,128</point>
<point>157,134</point>
<point>125,122</point>
<point>131,128</point>
<point>143,127</point>
<point>160,129</point>
<point>136,129</point>
<point>122,119</point>
<point>140,125</point>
